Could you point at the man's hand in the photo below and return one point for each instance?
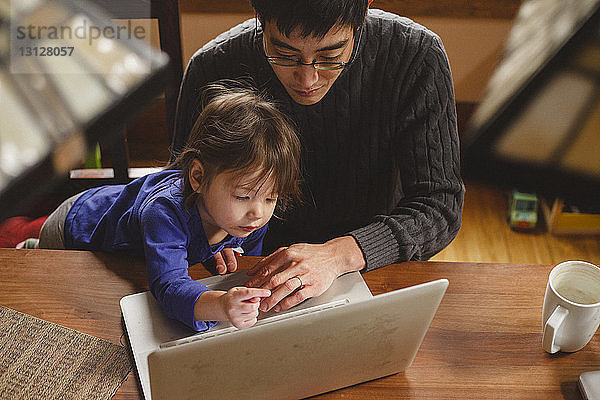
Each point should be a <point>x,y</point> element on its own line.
<point>296,273</point>
<point>225,261</point>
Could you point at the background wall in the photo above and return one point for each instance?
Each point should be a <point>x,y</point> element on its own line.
<point>473,45</point>
<point>473,32</point>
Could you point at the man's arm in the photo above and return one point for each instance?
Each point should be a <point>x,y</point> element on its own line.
<point>428,216</point>
<point>188,104</point>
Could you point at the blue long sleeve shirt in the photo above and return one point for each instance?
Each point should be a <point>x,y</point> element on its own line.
<point>148,217</point>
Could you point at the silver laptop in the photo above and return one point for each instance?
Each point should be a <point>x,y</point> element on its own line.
<point>343,337</point>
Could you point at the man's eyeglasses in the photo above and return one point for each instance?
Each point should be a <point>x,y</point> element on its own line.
<point>320,65</point>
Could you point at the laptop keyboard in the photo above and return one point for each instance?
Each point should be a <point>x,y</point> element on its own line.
<point>264,321</point>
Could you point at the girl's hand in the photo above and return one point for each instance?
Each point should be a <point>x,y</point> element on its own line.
<point>240,305</point>
<point>225,261</point>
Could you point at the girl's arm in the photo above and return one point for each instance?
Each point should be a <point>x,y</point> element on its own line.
<point>165,235</point>
<point>239,305</point>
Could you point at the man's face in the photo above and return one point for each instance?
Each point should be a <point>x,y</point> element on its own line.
<point>304,83</point>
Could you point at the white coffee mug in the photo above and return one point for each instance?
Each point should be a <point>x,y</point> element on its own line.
<point>571,312</point>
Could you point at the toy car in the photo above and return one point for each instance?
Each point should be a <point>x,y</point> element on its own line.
<point>522,211</point>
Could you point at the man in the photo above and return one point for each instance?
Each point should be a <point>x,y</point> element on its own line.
<point>371,95</point>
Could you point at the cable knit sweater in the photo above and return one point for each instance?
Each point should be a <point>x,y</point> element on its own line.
<point>380,150</point>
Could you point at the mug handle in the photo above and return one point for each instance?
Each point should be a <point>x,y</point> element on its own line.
<point>551,327</point>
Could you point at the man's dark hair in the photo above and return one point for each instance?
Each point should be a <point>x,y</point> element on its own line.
<point>312,17</point>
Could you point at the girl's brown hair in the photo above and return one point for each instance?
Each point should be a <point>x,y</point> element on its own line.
<point>240,132</point>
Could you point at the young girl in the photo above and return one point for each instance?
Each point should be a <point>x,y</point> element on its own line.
<point>240,161</point>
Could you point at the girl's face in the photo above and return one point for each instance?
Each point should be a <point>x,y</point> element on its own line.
<point>234,207</point>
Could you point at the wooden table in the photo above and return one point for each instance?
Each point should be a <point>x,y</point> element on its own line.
<point>484,342</point>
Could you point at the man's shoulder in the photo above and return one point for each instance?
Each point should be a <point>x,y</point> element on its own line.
<point>401,39</point>
<point>231,41</point>
<point>388,23</point>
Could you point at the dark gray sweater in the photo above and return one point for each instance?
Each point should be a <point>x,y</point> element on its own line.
<point>380,150</point>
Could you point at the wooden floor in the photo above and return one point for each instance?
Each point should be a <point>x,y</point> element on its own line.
<point>486,237</point>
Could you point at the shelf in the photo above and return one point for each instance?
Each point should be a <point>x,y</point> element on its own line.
<point>563,221</point>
